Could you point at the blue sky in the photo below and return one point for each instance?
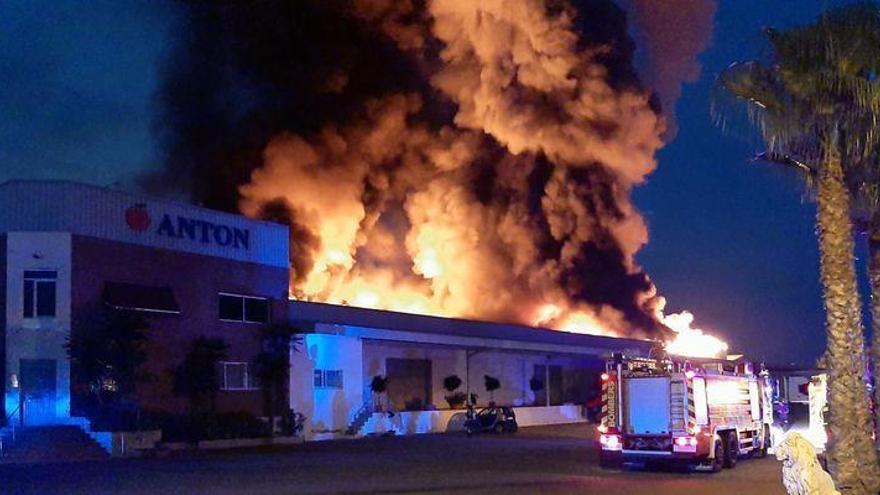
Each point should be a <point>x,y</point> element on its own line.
<point>77,81</point>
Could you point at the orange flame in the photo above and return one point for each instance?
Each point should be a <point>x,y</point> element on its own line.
<point>690,341</point>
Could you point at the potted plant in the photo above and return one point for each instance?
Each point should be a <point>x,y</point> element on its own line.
<point>492,384</point>
<point>455,399</point>
<point>378,386</point>
<point>536,385</point>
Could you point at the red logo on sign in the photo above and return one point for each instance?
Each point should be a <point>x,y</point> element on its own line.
<point>137,217</point>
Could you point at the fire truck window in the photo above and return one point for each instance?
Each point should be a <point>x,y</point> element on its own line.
<point>702,413</point>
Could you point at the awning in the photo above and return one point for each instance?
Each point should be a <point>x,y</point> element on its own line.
<point>136,297</point>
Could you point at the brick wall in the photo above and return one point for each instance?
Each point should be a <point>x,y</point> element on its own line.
<point>195,281</point>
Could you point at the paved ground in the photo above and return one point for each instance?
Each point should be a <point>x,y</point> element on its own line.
<point>535,460</point>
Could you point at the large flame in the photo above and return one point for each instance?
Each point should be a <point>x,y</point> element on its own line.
<point>690,341</point>
<point>516,208</point>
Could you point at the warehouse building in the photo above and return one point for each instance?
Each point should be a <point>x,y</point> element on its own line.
<point>547,375</point>
<point>68,250</point>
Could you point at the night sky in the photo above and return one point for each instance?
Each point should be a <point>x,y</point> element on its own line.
<point>731,240</point>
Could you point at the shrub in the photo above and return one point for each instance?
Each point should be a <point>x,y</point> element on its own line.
<point>211,426</point>
<point>379,384</point>
<point>292,423</point>
<point>492,384</point>
<point>451,382</point>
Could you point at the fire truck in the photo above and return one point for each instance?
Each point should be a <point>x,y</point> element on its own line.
<point>702,413</point>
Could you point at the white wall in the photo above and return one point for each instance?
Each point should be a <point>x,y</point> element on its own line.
<point>38,338</point>
<point>327,409</point>
<point>444,362</point>
<point>450,420</point>
<point>301,392</point>
<point>513,370</point>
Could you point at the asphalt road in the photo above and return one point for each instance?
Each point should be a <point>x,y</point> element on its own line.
<point>535,460</point>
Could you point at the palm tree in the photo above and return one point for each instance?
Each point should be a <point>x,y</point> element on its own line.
<point>196,376</point>
<point>864,185</point>
<point>811,105</point>
<point>107,349</point>
<point>272,365</point>
<point>862,174</point>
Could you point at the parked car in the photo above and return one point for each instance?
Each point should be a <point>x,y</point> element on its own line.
<point>494,419</point>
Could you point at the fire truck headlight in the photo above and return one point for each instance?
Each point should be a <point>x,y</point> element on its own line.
<point>604,377</point>
<point>686,441</point>
<point>610,442</point>
<point>685,444</point>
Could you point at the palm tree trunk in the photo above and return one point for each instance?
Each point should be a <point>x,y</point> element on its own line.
<point>851,455</point>
<point>874,277</point>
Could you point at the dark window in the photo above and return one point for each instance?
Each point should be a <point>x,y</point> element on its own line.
<point>42,274</point>
<point>28,298</point>
<point>39,293</point>
<point>46,298</point>
<point>333,378</point>
<point>256,310</point>
<point>328,378</point>
<point>236,376</point>
<point>231,308</point>
<point>244,308</point>
<point>135,297</point>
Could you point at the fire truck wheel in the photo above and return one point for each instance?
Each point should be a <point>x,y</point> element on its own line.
<point>761,451</point>
<point>718,462</point>
<point>732,450</point>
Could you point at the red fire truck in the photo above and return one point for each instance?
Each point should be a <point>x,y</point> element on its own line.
<point>703,413</point>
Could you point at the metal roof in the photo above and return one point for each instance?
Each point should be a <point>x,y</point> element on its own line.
<point>310,313</point>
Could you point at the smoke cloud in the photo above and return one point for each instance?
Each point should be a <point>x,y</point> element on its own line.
<point>448,157</point>
<point>671,35</point>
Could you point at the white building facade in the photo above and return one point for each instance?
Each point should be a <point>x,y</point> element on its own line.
<point>547,376</point>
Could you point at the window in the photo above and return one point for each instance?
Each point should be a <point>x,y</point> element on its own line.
<point>39,293</point>
<point>236,376</point>
<point>134,297</point>
<point>328,379</point>
<point>248,309</point>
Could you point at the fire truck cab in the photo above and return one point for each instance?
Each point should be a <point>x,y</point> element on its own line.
<point>700,412</point>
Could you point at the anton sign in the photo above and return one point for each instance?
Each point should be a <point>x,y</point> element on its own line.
<point>179,227</point>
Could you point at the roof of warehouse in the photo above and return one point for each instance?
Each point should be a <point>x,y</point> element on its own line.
<point>312,312</point>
